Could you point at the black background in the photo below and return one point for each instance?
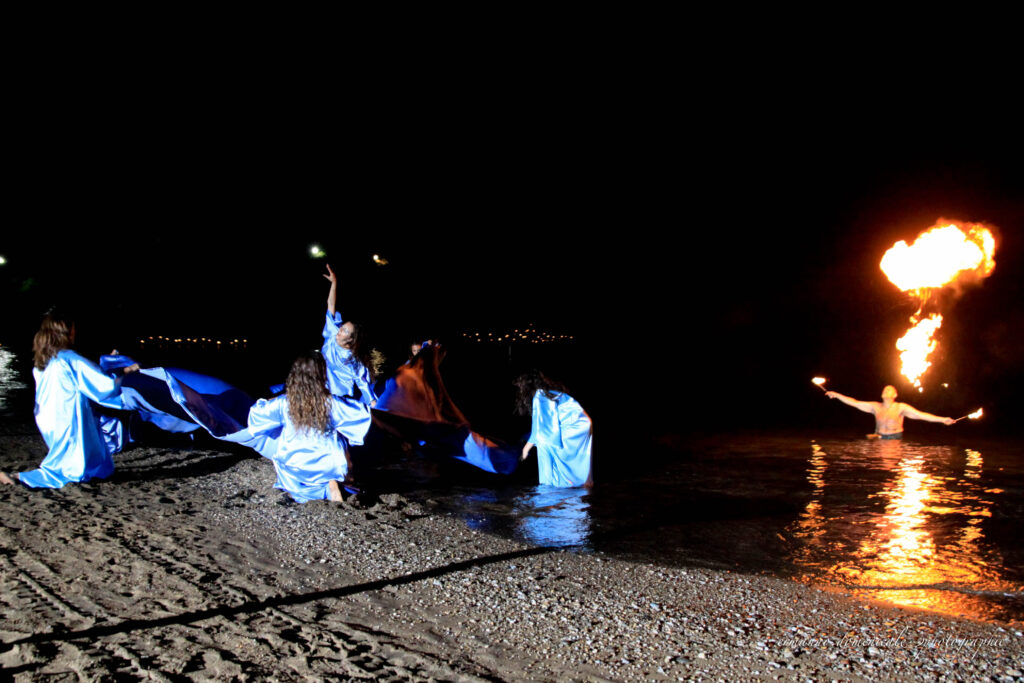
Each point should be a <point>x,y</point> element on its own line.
<point>710,248</point>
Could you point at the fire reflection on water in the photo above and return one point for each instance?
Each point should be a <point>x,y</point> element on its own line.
<point>919,540</point>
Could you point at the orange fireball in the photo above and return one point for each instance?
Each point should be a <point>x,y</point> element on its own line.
<point>946,253</point>
<point>939,256</point>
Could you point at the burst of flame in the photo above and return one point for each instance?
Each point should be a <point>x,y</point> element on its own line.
<point>947,252</point>
<point>975,415</point>
<point>940,255</point>
<point>819,380</point>
<point>916,345</point>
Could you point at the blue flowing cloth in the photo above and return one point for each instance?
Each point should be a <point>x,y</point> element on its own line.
<point>178,400</point>
<point>81,441</point>
<point>562,432</point>
<point>416,407</point>
<point>307,461</point>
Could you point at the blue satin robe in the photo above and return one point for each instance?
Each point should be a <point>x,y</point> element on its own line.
<point>307,461</point>
<point>81,442</point>
<point>562,432</point>
<point>343,370</point>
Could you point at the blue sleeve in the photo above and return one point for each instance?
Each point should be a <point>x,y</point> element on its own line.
<point>266,416</point>
<point>535,433</point>
<point>547,429</point>
<point>331,324</point>
<point>92,382</point>
<point>570,411</point>
<point>366,393</point>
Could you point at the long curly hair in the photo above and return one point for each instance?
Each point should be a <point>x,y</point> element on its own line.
<point>55,334</point>
<point>528,384</point>
<point>309,400</point>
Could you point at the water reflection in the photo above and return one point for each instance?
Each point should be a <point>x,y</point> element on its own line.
<point>541,515</point>
<point>552,516</point>
<point>916,537</point>
<point>10,382</point>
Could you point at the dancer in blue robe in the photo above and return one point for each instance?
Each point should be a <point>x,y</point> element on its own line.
<point>312,430</point>
<point>347,362</point>
<point>560,429</point>
<point>69,388</point>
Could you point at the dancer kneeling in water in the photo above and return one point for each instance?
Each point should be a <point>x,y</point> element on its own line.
<point>313,431</point>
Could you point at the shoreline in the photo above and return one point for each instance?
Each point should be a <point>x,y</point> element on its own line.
<point>187,563</point>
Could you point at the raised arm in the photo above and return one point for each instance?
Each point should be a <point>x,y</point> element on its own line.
<point>913,413</point>
<point>865,406</point>
<point>332,296</point>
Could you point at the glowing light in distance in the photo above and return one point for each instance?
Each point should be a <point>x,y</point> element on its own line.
<point>380,260</point>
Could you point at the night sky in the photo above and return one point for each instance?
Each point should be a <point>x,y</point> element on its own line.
<point>706,273</point>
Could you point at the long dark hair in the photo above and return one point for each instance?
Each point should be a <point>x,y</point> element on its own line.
<point>309,400</point>
<point>54,335</point>
<point>361,351</point>
<point>530,383</point>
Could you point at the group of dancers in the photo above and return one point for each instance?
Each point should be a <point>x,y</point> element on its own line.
<point>329,405</point>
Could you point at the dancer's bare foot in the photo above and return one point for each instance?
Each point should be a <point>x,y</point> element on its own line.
<point>4,479</point>
<point>334,490</point>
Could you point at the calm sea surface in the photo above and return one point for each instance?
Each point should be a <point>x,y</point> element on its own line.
<point>924,525</point>
<point>916,523</point>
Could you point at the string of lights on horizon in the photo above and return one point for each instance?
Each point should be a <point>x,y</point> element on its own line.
<point>162,342</point>
<point>528,335</point>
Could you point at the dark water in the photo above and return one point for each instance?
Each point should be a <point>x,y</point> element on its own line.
<point>923,525</point>
<point>916,523</point>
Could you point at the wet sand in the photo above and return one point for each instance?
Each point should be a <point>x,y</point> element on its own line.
<point>188,565</point>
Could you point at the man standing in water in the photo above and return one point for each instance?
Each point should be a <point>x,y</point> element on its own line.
<point>889,413</point>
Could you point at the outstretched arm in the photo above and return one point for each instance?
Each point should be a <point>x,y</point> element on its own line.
<point>332,296</point>
<point>865,406</point>
<point>912,412</point>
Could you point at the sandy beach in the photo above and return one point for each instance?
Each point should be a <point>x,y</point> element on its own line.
<point>188,565</point>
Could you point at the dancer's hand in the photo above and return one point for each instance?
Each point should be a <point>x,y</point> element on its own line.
<point>331,276</point>
<point>526,451</point>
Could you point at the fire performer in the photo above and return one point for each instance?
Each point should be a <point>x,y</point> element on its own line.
<point>889,413</point>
